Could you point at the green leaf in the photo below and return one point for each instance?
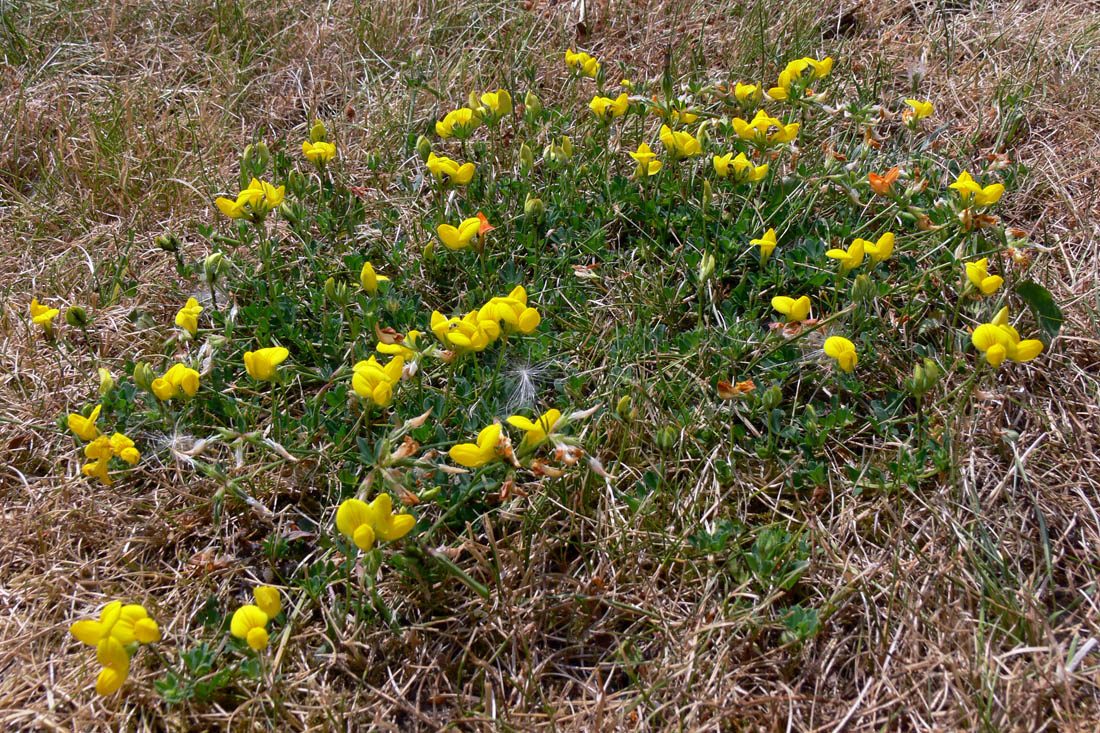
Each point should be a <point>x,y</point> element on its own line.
<point>1043,306</point>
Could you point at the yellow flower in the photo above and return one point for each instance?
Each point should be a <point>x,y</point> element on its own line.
<point>262,364</point>
<point>748,94</point>
<point>363,523</point>
<point>369,279</point>
<point>42,315</point>
<point>759,129</point>
<point>646,159</point>
<point>458,123</point>
<point>535,432</point>
<point>968,189</point>
<point>473,455</point>
<point>406,347</point>
<point>512,310</point>
<point>318,153</point>
<point>582,63</point>
<point>256,201</point>
<point>680,144</point>
<point>454,172</point>
<point>179,381</point>
<point>741,168</point>
<point>117,627</point>
<point>268,600</point>
<point>188,316</point>
<point>84,427</point>
<point>498,102</point>
<point>794,310</point>
<point>455,238</point>
<point>249,623</point>
<point>470,332</point>
<point>919,110</point>
<point>881,250</point>
<point>1000,341</point>
<point>767,245</point>
<point>375,382</point>
<point>606,108</point>
<point>978,274</point>
<point>850,258</point>
<point>843,350</point>
<point>124,448</point>
<point>794,73</point>
<point>681,116</point>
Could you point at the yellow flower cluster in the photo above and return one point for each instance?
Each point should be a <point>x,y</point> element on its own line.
<point>375,382</point>
<point>101,448</point>
<point>179,381</point>
<point>999,341</point>
<point>478,328</point>
<point>794,74</point>
<point>42,315</point>
<point>250,621</point>
<point>492,444</point>
<point>255,202</point>
<point>459,123</point>
<point>740,169</point>
<point>582,63</point>
<point>364,524</point>
<point>606,109</point>
<point>188,316</point>
<point>764,129</point>
<point>119,627</point>
<point>448,171</point>
<point>853,256</point>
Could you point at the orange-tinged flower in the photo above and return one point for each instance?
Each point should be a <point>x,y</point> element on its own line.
<point>884,185</point>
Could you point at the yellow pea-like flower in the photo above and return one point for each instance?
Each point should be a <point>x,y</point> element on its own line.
<point>881,249</point>
<point>188,316</point>
<point>250,623</point>
<point>84,427</point>
<point>477,454</point>
<point>42,315</point>
<point>971,192</point>
<point>375,382</point>
<point>843,350</point>
<point>369,279</point>
<point>268,600</point>
<point>319,152</point>
<point>748,94</point>
<point>767,245</point>
<point>794,310</point>
<point>850,258</point>
<point>460,237</point>
<point>919,110</point>
<point>458,123</point>
<point>262,364</point>
<point>681,144</point>
<point>978,274</point>
<point>535,432</point>
<point>447,170</point>
<point>1000,341</point>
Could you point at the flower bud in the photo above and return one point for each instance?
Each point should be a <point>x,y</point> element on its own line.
<point>706,267</point>
<point>318,133</point>
<point>533,207</point>
<point>337,292</point>
<point>213,266</point>
<point>772,397</point>
<point>666,438</point>
<point>287,212</point>
<point>532,106</point>
<point>423,147</point>
<point>248,155</point>
<point>168,242</point>
<point>143,375</point>
<point>76,316</point>
<point>707,194</point>
<point>106,382</point>
<point>472,101</point>
<point>623,408</point>
<point>261,156</point>
<point>863,290</point>
<point>567,146</point>
<point>429,251</point>
<point>526,158</point>
<point>703,136</point>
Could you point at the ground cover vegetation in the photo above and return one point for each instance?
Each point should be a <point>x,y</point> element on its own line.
<point>515,366</point>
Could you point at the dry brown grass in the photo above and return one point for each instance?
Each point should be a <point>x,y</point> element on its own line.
<point>958,607</point>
